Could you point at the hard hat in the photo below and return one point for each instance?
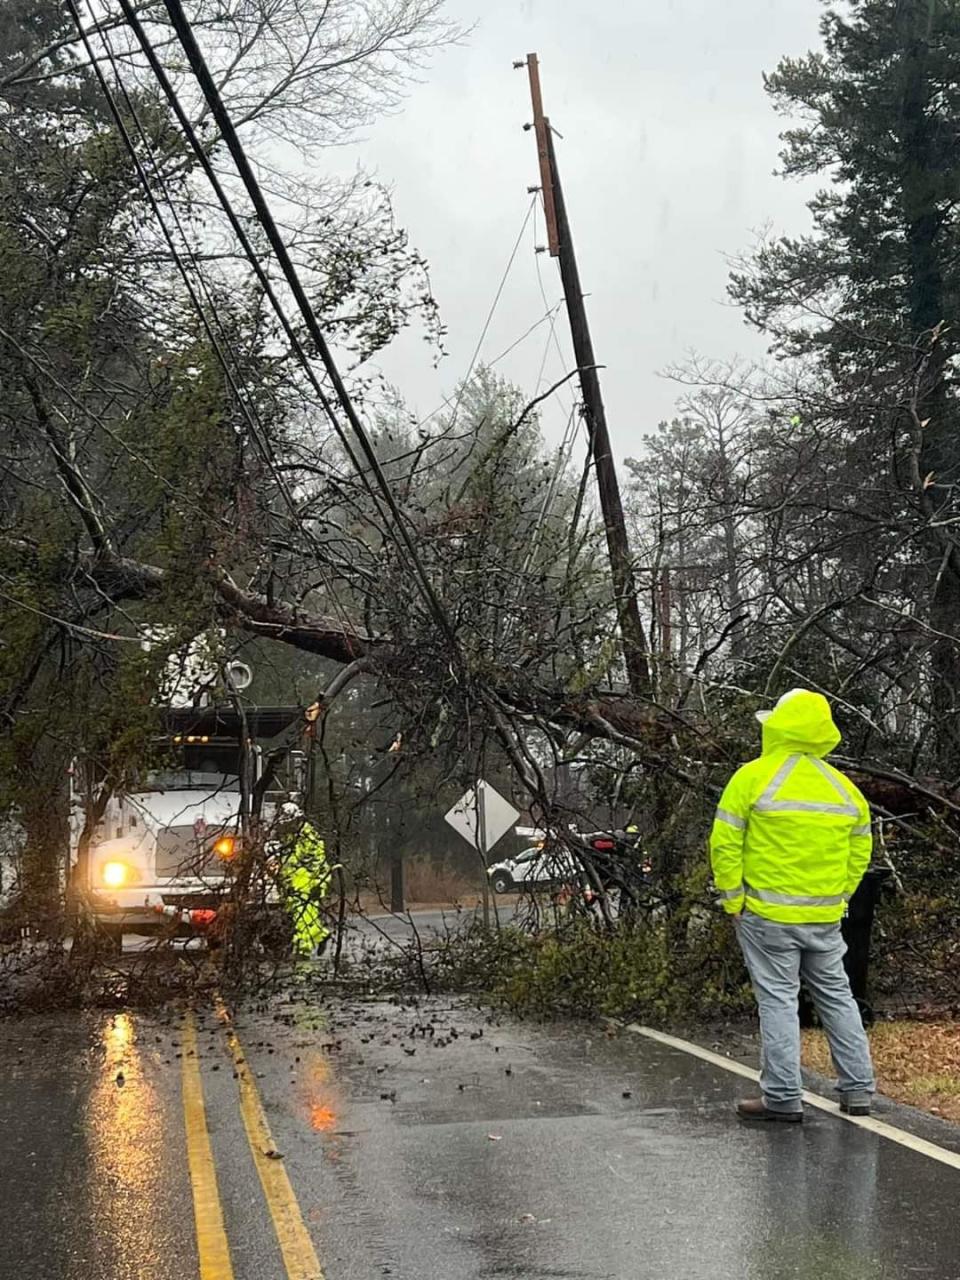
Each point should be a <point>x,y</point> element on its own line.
<point>765,715</point>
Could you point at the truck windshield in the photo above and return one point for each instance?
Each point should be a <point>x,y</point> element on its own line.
<point>188,780</point>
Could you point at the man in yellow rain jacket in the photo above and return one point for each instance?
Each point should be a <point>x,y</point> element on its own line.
<point>306,880</point>
<point>790,843</point>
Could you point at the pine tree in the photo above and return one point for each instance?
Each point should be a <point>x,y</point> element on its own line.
<point>868,298</point>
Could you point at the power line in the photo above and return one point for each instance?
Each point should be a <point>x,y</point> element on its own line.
<point>492,364</point>
<point>383,500</point>
<point>236,224</point>
<point>564,453</point>
<point>158,214</point>
<point>547,316</point>
<point>224,121</point>
<point>256,429</point>
<point>550,315</point>
<point>543,294</point>
<point>253,257</point>
<point>501,286</point>
<point>233,382</point>
<point>461,392</point>
<point>236,380</point>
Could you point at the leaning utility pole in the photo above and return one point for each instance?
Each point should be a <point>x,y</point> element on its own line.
<point>560,241</point>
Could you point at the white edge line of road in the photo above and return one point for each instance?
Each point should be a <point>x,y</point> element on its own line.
<point>889,1131</point>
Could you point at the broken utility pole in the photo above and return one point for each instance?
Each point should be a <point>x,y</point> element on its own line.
<point>560,241</point>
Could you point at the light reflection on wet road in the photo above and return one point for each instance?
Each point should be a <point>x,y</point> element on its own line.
<point>93,1179</point>
<point>123,1141</point>
<point>427,1142</point>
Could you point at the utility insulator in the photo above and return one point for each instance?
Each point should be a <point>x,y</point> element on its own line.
<point>532,191</point>
<point>540,248</point>
<point>518,66</point>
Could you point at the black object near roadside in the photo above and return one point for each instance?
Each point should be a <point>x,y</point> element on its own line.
<point>856,927</point>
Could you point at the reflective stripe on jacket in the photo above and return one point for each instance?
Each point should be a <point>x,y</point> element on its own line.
<point>791,836</point>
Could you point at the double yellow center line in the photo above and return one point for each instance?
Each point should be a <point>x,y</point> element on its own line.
<point>212,1243</point>
<point>299,1256</point>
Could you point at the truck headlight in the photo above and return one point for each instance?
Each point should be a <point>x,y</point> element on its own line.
<point>225,848</point>
<point>116,874</point>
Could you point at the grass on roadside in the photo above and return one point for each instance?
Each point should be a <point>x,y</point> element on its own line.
<point>916,1062</point>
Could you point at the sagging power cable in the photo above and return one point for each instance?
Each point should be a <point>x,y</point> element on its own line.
<point>486,326</point>
<point>253,257</point>
<point>157,212</point>
<point>239,230</point>
<point>234,375</point>
<point>211,94</point>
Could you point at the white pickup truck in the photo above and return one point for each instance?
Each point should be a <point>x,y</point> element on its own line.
<point>549,863</point>
<point>535,868</point>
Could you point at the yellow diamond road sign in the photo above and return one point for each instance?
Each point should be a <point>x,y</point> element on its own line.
<point>482,816</point>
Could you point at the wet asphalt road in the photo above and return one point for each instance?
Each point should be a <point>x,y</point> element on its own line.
<point>429,1142</point>
<point>384,927</point>
<point>379,930</point>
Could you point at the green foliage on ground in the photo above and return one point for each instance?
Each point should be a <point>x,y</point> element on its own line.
<point>661,971</point>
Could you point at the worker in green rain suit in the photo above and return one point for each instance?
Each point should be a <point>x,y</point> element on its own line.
<point>306,876</point>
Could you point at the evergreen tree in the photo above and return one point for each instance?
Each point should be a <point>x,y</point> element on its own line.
<point>867,299</point>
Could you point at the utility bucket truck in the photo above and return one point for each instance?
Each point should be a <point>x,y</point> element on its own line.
<point>166,852</point>
<point>174,838</point>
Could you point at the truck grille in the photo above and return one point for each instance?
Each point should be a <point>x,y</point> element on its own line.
<point>194,901</point>
<point>180,854</point>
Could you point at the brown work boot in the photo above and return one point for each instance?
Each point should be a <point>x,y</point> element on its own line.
<point>757,1109</point>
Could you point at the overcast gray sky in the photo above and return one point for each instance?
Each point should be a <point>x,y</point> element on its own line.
<point>669,146</point>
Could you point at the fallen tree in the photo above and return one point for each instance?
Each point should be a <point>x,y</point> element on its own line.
<point>664,738</point>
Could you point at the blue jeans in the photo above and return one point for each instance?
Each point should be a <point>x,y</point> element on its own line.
<point>777,956</point>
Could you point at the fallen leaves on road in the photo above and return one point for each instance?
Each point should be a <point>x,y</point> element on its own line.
<point>916,1062</point>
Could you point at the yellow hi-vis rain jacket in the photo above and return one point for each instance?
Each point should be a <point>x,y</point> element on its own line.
<point>307,875</point>
<point>791,837</point>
